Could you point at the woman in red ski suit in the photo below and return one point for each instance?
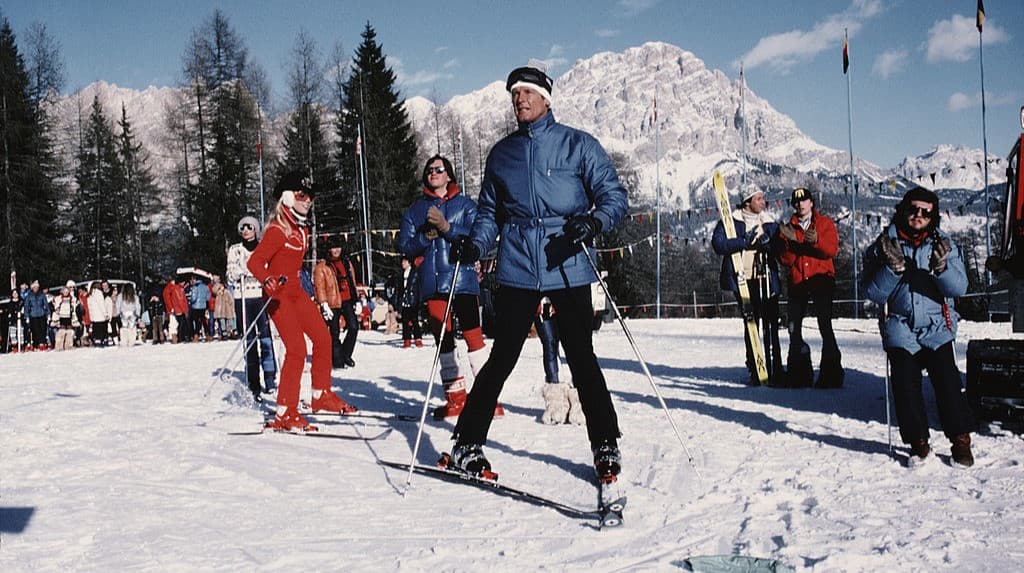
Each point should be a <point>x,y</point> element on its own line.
<point>276,262</point>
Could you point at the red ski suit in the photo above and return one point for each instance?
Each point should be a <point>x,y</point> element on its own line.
<point>280,254</point>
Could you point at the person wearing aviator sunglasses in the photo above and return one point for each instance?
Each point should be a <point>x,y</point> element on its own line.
<point>917,270</point>
<point>276,263</point>
<point>429,227</point>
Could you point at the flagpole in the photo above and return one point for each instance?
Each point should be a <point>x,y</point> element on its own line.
<point>743,119</point>
<point>984,160</point>
<point>853,176</point>
<point>657,185</point>
<point>259,160</point>
<point>366,204</point>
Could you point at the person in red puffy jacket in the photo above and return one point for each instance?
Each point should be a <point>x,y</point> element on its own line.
<point>276,263</point>
<point>809,242</point>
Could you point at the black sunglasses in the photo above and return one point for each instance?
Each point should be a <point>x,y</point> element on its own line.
<point>914,211</point>
<point>431,170</point>
<point>246,227</point>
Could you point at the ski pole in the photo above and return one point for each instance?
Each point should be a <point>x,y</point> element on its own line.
<point>640,358</point>
<point>888,410</point>
<point>245,335</point>
<point>430,381</point>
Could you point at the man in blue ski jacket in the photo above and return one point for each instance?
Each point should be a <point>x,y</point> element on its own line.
<point>548,190</point>
<point>917,270</point>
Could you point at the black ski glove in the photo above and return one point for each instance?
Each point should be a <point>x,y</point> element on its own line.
<point>465,251</point>
<point>582,228</point>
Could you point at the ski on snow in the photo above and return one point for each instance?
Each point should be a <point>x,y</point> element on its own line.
<point>366,414</point>
<point>611,503</point>
<point>317,434</point>
<point>609,514</point>
<point>752,334</point>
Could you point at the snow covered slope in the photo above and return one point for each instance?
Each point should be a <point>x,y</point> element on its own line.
<point>130,467</point>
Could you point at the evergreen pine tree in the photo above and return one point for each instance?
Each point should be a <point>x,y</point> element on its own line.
<point>387,145</point>
<point>28,237</point>
<point>99,204</point>
<point>218,128</point>
<point>305,147</point>
<point>141,199</point>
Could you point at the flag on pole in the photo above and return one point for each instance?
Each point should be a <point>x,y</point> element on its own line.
<point>981,15</point>
<point>846,52</point>
<point>359,145</point>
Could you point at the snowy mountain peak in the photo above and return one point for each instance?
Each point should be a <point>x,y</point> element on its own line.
<point>952,167</point>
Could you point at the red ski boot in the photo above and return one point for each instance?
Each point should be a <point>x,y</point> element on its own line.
<point>330,402</point>
<point>456,401</point>
<point>290,420</point>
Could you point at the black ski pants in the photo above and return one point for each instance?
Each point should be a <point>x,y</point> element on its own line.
<point>954,412</point>
<point>348,345</point>
<point>334,326</point>
<point>818,289</point>
<point>514,311</point>
<point>411,323</point>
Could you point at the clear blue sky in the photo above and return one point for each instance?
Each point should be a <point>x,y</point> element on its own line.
<point>914,64</point>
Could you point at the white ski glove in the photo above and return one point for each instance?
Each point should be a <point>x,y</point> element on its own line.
<point>325,309</point>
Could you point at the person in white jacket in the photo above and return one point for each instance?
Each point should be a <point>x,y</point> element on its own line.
<point>248,293</point>
<point>130,310</point>
<point>99,314</point>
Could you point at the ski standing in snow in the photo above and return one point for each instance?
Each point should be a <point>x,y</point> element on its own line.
<point>279,256</point>
<point>918,270</point>
<point>548,191</point>
<point>807,244</point>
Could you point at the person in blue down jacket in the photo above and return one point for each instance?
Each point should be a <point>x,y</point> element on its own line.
<point>548,190</point>
<point>917,270</point>
<point>429,226</point>
<point>198,300</point>
<point>38,310</point>
<point>756,230</point>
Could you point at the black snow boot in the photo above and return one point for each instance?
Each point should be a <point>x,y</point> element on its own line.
<point>831,373</point>
<point>799,368</point>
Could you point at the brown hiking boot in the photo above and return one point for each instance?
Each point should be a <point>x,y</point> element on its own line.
<point>962,450</point>
<point>919,449</point>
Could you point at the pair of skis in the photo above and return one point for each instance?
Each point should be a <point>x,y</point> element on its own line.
<point>751,332</point>
<point>334,416</point>
<point>611,502</point>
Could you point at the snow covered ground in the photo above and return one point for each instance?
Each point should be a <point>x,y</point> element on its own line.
<point>114,460</point>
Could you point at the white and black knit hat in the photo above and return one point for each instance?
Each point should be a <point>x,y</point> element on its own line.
<point>532,75</point>
<point>748,191</point>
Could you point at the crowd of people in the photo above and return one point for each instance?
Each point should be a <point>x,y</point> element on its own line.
<point>548,191</point>
<point>105,313</point>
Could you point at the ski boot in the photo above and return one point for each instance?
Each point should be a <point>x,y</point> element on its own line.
<point>469,459</point>
<point>607,461</point>
<point>289,420</point>
<point>455,402</point>
<point>330,402</point>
